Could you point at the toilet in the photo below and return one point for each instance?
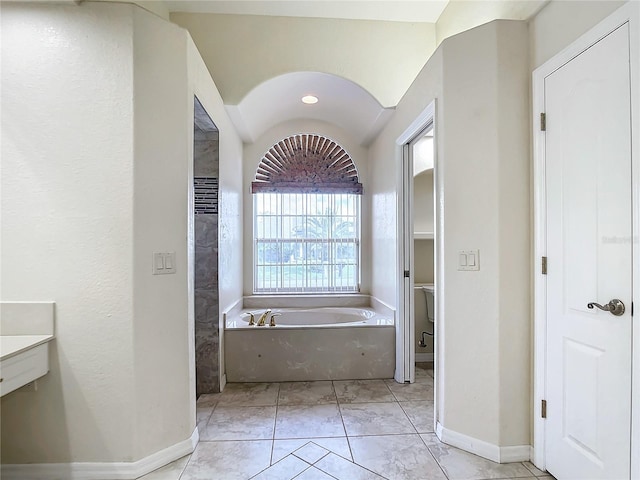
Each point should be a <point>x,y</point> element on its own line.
<point>424,298</point>
<point>424,309</point>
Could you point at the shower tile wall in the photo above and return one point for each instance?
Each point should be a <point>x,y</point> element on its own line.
<point>206,270</point>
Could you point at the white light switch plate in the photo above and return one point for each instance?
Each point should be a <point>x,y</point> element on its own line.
<point>164,263</point>
<point>468,260</point>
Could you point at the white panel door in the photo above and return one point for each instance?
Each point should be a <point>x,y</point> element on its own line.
<point>588,179</point>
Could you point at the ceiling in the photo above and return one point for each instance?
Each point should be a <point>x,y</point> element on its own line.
<point>346,103</point>
<point>340,102</point>
<point>386,10</point>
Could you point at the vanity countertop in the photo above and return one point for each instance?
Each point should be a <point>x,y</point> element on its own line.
<point>11,345</point>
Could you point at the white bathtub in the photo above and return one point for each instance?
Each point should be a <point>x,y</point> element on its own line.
<point>312,317</point>
<point>323,343</point>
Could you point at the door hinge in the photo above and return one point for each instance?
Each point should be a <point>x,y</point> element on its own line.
<point>544,265</point>
<point>632,309</point>
<point>406,274</point>
<point>543,122</point>
<point>543,409</point>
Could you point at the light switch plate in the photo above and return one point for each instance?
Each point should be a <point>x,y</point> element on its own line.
<point>163,263</point>
<point>469,260</point>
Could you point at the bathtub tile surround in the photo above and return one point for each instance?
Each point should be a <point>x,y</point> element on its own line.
<point>325,449</point>
<point>321,337</point>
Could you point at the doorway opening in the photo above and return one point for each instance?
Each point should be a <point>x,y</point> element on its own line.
<point>205,229</point>
<point>418,226</point>
<point>422,154</point>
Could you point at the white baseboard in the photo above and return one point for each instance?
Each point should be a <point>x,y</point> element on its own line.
<point>424,357</point>
<point>516,453</point>
<point>104,470</point>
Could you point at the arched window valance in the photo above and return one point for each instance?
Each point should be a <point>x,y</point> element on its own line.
<point>306,163</point>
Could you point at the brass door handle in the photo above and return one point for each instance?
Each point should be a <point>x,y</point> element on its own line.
<point>615,307</point>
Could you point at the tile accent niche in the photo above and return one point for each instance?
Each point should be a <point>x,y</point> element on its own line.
<point>207,334</point>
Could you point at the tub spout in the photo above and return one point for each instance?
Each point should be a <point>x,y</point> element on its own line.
<point>263,317</point>
<point>272,323</point>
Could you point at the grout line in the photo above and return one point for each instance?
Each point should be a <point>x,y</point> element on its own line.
<point>434,457</point>
<point>186,464</point>
<point>344,427</point>
<point>408,418</point>
<point>275,423</point>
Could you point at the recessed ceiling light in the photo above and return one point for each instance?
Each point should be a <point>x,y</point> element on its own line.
<point>309,99</point>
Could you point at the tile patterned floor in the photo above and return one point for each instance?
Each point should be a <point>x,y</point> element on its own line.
<point>344,430</point>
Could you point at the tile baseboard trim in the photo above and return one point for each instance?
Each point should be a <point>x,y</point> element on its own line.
<point>103,470</point>
<point>516,453</point>
<point>424,357</point>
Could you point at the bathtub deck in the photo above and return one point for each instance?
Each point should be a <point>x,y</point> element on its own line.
<point>288,355</point>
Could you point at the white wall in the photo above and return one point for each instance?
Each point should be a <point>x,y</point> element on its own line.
<point>423,202</point>
<point>485,195</point>
<point>243,51</point>
<point>561,22</point>
<point>67,217</point>
<point>254,152</point>
<point>230,196</point>
<point>480,81</point>
<point>162,319</point>
<point>461,15</point>
<point>98,128</point>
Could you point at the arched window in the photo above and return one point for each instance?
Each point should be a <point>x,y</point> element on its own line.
<point>306,218</point>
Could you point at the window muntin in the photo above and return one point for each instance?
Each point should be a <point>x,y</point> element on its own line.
<point>306,242</point>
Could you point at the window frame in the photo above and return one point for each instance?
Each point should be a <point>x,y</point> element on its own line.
<point>332,261</point>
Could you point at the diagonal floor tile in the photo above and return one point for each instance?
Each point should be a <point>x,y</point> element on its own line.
<point>208,400</point>
<point>240,423</point>
<point>204,407</point>
<point>171,471</point>
<point>311,453</point>
<point>535,470</point>
<point>360,391</point>
<point>306,393</point>
<point>398,457</point>
<point>228,460</point>
<point>312,473</point>
<point>375,419</point>
<point>285,469</point>
<point>342,469</point>
<point>409,392</point>
<point>337,445</point>
<point>420,414</point>
<point>304,421</point>
<point>424,368</point>
<point>249,395</point>
<point>461,465</point>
